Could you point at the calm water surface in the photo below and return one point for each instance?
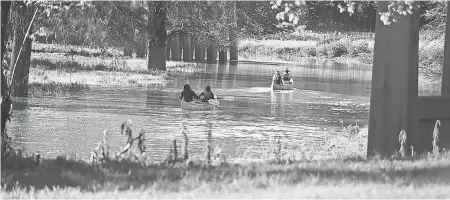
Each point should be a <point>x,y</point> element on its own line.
<point>327,94</point>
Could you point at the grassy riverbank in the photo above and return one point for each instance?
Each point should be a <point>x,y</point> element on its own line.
<point>58,69</point>
<point>422,177</point>
<point>339,46</point>
<point>279,176</point>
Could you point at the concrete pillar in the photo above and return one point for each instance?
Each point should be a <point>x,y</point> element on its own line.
<point>394,83</point>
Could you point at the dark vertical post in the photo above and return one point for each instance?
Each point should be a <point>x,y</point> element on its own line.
<point>233,36</point>
<point>199,52</point>
<point>173,45</point>
<point>223,55</point>
<point>394,83</point>
<point>185,41</point>
<point>211,54</point>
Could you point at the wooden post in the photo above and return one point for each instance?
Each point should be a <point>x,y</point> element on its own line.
<point>394,83</point>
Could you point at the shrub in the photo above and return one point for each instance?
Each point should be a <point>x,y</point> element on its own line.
<point>431,58</point>
<point>311,51</point>
<point>338,49</point>
<point>358,47</point>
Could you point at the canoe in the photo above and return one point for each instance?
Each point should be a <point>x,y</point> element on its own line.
<point>196,105</point>
<point>287,85</point>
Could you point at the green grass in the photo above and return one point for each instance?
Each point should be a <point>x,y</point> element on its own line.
<point>52,88</point>
<point>58,68</point>
<point>75,50</point>
<point>421,176</point>
<point>296,46</point>
<point>341,47</point>
<point>427,176</point>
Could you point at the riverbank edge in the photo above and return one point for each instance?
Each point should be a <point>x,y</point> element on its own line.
<point>60,73</point>
<point>67,177</point>
<point>340,47</point>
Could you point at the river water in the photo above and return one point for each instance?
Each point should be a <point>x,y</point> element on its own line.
<point>327,94</point>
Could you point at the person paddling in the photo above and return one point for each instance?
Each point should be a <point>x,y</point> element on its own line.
<point>188,94</point>
<point>207,94</point>
<point>277,78</point>
<point>286,74</point>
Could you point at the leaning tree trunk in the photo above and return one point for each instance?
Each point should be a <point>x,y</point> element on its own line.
<point>6,101</point>
<point>157,34</point>
<point>21,19</point>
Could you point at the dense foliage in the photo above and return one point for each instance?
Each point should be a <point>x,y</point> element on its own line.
<point>353,15</point>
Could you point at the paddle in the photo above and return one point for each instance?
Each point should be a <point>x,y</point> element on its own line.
<point>213,102</point>
<point>227,98</point>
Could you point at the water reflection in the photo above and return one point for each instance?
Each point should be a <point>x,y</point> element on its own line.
<point>74,124</point>
<point>318,75</point>
<point>280,102</point>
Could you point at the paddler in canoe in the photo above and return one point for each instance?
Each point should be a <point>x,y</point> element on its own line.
<point>286,77</point>
<point>277,78</point>
<point>207,94</point>
<point>188,94</point>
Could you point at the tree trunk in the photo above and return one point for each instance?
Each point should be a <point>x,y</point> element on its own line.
<point>174,47</point>
<point>233,36</point>
<point>157,35</point>
<point>199,52</point>
<point>127,50</point>
<point>185,41</point>
<point>140,44</point>
<point>211,54</point>
<point>222,55</point>
<point>6,101</point>
<point>233,47</point>
<point>394,85</point>
<point>21,19</point>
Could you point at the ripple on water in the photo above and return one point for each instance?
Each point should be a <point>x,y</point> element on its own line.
<point>75,123</point>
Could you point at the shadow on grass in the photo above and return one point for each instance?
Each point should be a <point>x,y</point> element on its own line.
<point>122,175</point>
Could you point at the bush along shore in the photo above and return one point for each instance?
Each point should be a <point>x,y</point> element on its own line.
<point>129,174</point>
<point>357,46</point>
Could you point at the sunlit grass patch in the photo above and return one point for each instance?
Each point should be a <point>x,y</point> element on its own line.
<point>59,68</point>
<point>75,50</point>
<point>52,88</point>
<point>334,45</point>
